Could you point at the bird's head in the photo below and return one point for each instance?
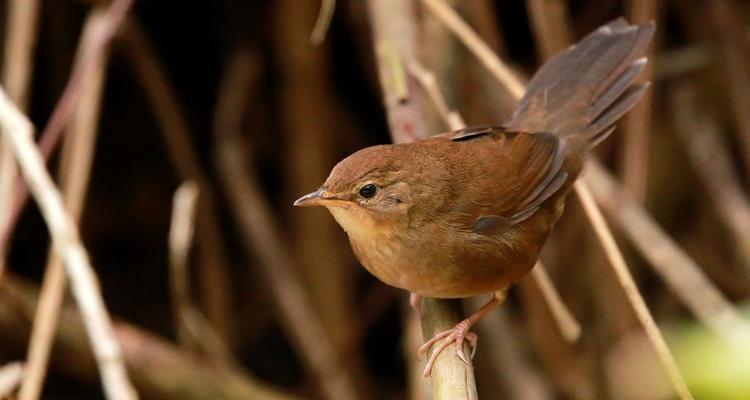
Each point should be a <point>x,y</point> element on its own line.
<point>372,189</point>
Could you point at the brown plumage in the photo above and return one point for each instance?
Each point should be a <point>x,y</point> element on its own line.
<point>467,212</point>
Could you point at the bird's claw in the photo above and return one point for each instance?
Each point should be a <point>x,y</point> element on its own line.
<point>457,335</point>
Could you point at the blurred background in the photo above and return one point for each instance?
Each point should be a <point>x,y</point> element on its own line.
<point>233,97</point>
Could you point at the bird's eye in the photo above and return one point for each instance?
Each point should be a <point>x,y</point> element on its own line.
<point>368,191</point>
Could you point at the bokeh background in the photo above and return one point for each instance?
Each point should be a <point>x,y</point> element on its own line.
<point>233,96</point>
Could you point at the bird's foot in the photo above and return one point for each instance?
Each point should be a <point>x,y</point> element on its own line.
<point>457,335</point>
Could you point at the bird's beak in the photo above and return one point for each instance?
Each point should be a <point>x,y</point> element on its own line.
<point>319,197</point>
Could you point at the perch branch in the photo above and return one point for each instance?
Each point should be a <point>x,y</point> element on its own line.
<point>393,22</point>
<point>18,132</point>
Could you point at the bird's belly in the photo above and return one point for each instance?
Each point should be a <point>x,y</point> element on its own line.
<point>443,270</point>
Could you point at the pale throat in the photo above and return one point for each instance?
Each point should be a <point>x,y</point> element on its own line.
<point>359,224</point>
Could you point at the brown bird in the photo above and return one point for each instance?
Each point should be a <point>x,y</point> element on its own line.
<point>467,212</point>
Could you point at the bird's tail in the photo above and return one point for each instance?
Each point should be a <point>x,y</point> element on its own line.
<point>580,93</point>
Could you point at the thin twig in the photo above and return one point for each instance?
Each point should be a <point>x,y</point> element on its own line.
<point>63,110</point>
<point>617,261</point>
<point>711,160</point>
<point>10,377</point>
<point>260,233</point>
<point>75,170</point>
<point>213,271</point>
<point>180,243</point>
<point>20,39</point>
<point>327,7</point>
<point>193,329</point>
<point>569,327</point>
<point>17,130</point>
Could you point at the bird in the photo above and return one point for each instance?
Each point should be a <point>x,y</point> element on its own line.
<point>467,212</point>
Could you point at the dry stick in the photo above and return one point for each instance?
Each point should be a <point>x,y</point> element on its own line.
<point>10,377</point>
<point>75,170</point>
<point>159,369</point>
<point>633,296</point>
<point>20,37</point>
<point>727,21</point>
<point>194,331</point>
<point>259,232</point>
<point>181,231</point>
<point>65,237</point>
<point>637,122</point>
<point>394,33</point>
<point>63,110</point>
<point>327,7</point>
<point>681,273</point>
<point>711,160</point>
<point>569,327</point>
<point>213,273</point>
<point>617,260</point>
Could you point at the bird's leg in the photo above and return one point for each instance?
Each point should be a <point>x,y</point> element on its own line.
<point>416,302</point>
<point>459,333</point>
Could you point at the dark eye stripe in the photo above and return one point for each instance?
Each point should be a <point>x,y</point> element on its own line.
<point>368,191</point>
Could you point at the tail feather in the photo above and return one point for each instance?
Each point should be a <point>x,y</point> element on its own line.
<point>581,92</point>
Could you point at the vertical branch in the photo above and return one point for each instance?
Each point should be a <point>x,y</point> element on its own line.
<point>637,122</point>
<point>450,377</point>
<point>259,232</point>
<point>394,32</point>
<point>75,171</point>
<point>20,37</point>
<point>213,265</point>
<point>733,45</point>
<point>17,130</point>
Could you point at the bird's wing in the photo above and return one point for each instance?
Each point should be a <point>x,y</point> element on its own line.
<point>520,172</point>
